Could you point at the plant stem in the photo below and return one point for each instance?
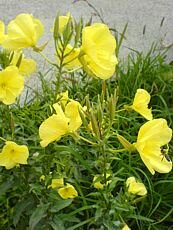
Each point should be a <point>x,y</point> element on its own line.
<point>86,140</point>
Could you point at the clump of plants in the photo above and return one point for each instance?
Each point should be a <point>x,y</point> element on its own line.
<point>86,151</point>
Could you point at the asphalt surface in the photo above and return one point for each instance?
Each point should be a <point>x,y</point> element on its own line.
<point>143,17</point>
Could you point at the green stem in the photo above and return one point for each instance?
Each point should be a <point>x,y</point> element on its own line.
<point>1,138</point>
<point>86,140</point>
<point>104,163</point>
<point>73,70</point>
<point>46,58</point>
<point>81,223</point>
<point>120,110</point>
<point>117,150</point>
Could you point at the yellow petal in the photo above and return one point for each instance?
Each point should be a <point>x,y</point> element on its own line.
<point>140,104</point>
<point>56,183</point>
<point>72,112</point>
<point>63,20</point>
<point>98,51</point>
<point>71,61</point>
<point>154,159</point>
<point>27,66</point>
<point>68,192</point>
<point>42,178</point>
<point>59,110</point>
<point>63,97</point>
<point>11,84</point>
<point>2,30</point>
<point>53,129</point>
<point>151,137</point>
<point>156,131</point>
<point>22,32</point>
<point>13,154</point>
<point>126,227</point>
<point>100,68</point>
<point>135,187</point>
<point>96,182</point>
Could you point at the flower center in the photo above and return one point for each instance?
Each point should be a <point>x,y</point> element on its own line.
<point>12,151</point>
<point>3,85</point>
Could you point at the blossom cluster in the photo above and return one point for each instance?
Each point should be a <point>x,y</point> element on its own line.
<point>95,54</point>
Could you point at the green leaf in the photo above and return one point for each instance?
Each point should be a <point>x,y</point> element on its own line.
<point>57,225</point>
<point>19,209</point>
<point>5,186</point>
<point>37,215</point>
<point>60,204</point>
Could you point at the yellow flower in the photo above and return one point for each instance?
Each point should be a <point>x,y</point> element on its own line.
<point>57,183</point>
<point>42,178</point>
<point>53,128</point>
<point>12,155</point>
<point>61,123</point>
<point>126,227</point>
<point>97,181</point>
<point>151,137</point>
<point>140,104</point>
<point>22,32</point>
<point>27,66</point>
<point>70,59</point>
<point>11,84</point>
<point>72,112</point>
<point>68,191</point>
<point>63,98</point>
<point>135,187</point>
<point>98,51</point>
<point>61,23</point>
<point>2,29</point>
<point>63,20</point>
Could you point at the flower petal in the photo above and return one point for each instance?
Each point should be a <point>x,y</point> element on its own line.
<point>11,84</point>
<point>151,137</point>
<point>140,104</point>
<point>22,32</point>
<point>72,112</point>
<point>156,131</point>
<point>13,154</point>
<point>68,191</point>
<point>155,160</point>
<point>52,129</point>
<point>98,51</point>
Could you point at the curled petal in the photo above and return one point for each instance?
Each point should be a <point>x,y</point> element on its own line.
<point>27,66</point>
<point>53,129</point>
<point>98,51</point>
<point>2,30</point>
<point>140,104</point>
<point>70,60</point>
<point>136,187</point>
<point>68,191</point>
<point>57,183</point>
<point>151,137</point>
<point>22,32</point>
<point>155,160</point>
<point>72,112</point>
<point>156,131</point>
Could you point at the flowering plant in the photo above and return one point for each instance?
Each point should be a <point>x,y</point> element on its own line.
<point>74,154</point>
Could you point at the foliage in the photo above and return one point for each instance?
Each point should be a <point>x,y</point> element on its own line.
<point>91,153</point>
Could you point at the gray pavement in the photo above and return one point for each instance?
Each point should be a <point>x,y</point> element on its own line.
<point>138,13</point>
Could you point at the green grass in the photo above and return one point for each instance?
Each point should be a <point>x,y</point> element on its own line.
<point>26,201</point>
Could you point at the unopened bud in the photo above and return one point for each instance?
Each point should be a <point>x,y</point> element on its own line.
<point>127,145</point>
